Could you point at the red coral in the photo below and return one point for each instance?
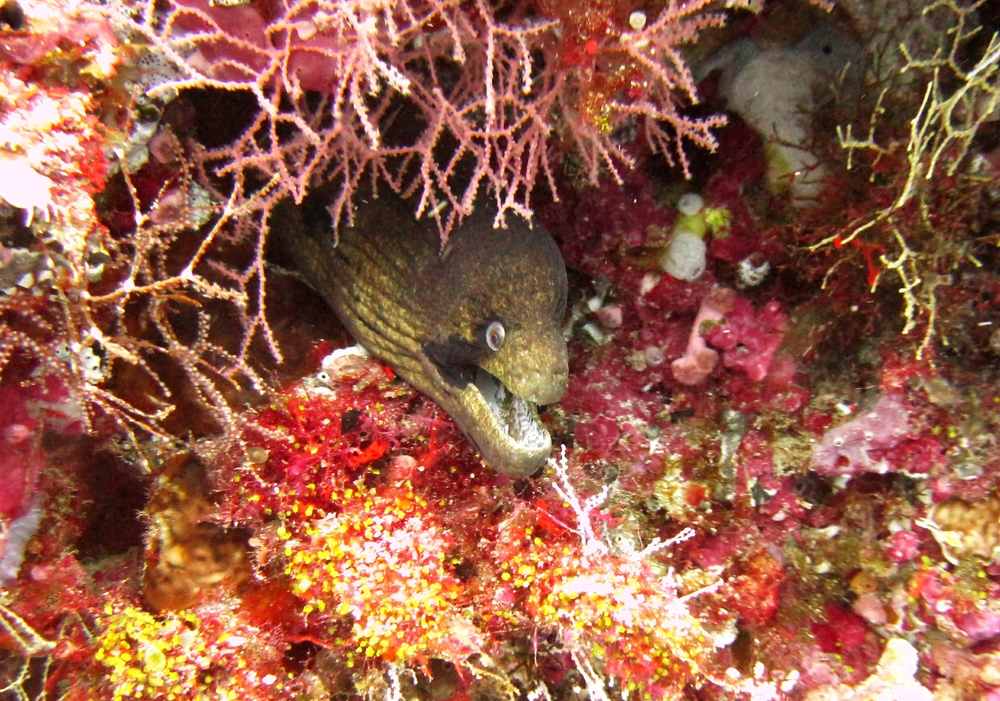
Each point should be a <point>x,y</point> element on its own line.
<point>861,444</point>
<point>754,592</point>
<point>50,25</point>
<point>842,631</point>
<point>903,546</point>
<point>599,435</point>
<point>21,458</point>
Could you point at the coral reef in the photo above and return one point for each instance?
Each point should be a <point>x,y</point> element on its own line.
<point>776,471</point>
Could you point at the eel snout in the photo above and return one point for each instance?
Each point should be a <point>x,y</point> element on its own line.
<point>542,370</point>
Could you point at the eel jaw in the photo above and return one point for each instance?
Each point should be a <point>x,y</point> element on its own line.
<point>504,426</point>
<point>529,443</point>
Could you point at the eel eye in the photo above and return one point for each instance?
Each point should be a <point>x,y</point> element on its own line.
<point>495,334</point>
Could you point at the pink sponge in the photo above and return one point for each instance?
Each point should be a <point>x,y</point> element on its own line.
<point>749,338</point>
<point>849,448</point>
<point>699,360</point>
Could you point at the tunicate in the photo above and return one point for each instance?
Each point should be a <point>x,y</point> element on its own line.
<point>684,258</point>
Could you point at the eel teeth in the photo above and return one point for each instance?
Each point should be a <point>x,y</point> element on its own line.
<point>517,416</point>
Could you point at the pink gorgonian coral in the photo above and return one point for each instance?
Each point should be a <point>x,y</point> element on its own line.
<point>440,99</point>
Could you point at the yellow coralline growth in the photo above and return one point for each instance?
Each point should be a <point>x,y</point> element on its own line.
<point>618,618</point>
<point>617,612</point>
<point>177,657</point>
<point>383,563</point>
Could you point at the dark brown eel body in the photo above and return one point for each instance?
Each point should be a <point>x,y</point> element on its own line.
<point>475,326</point>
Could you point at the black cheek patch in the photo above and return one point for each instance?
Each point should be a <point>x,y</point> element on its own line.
<point>455,358</point>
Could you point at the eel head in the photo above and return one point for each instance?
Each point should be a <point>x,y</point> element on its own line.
<point>475,326</point>
<point>497,349</point>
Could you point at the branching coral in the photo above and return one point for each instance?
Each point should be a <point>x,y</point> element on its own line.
<point>158,299</point>
<point>484,94</point>
<point>27,644</point>
<point>92,307</point>
<point>343,539</point>
<point>376,545</point>
<point>917,228</point>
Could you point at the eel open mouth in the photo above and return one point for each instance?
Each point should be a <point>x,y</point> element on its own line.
<point>504,426</point>
<point>517,417</point>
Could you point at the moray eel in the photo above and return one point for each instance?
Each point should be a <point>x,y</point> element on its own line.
<point>476,325</point>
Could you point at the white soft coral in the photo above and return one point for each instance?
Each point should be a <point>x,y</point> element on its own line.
<point>25,188</point>
<point>51,162</point>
